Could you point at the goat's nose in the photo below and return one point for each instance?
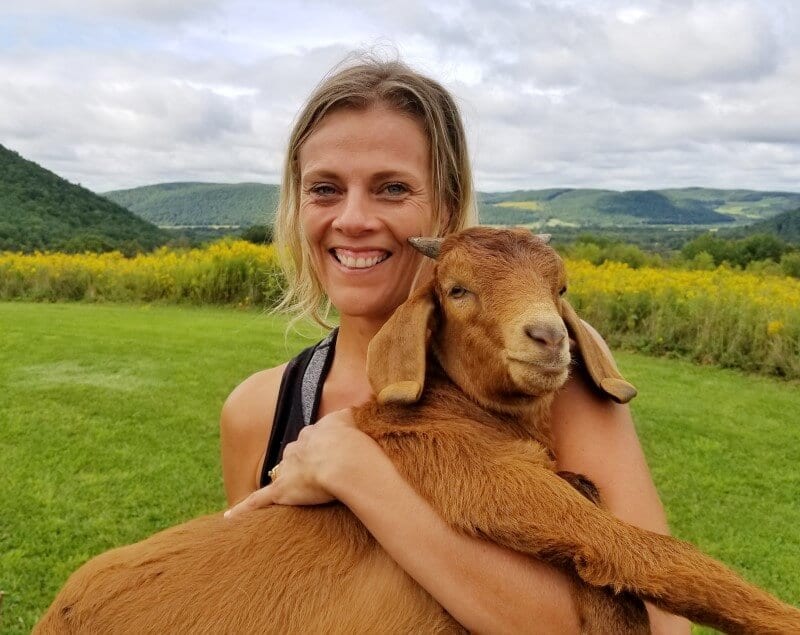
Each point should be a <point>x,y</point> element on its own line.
<point>547,336</point>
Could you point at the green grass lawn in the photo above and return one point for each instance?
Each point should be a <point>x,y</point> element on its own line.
<point>108,433</point>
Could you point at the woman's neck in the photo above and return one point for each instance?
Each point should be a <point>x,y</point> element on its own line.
<point>353,339</point>
<point>347,383</point>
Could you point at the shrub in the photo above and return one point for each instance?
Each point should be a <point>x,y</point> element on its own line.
<point>258,234</point>
<point>790,263</point>
<point>226,272</point>
<point>724,316</point>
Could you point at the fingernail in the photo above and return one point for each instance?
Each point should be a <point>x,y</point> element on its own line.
<point>227,514</point>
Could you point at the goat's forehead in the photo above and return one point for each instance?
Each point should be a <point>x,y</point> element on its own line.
<point>495,264</point>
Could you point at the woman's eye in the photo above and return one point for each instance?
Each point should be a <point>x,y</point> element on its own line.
<point>395,189</point>
<point>457,292</point>
<point>323,189</point>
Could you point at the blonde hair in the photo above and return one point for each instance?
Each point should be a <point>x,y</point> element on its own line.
<point>359,86</point>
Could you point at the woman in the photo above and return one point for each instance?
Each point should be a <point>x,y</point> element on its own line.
<point>378,155</point>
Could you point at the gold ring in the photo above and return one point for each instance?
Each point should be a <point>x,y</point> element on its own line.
<point>273,473</point>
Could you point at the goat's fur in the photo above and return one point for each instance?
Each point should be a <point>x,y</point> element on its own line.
<point>475,443</point>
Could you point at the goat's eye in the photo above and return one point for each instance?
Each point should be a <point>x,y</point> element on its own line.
<point>457,292</point>
<point>563,290</point>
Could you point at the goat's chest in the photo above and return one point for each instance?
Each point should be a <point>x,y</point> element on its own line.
<point>448,456</point>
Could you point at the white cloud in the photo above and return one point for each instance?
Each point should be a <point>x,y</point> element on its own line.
<point>604,94</point>
<point>716,41</point>
<point>144,10</point>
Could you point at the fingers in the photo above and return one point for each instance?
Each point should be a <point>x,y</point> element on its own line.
<point>258,499</point>
<point>273,473</point>
<point>299,478</point>
<point>337,418</point>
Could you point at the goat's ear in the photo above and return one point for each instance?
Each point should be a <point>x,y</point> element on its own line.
<point>599,364</point>
<point>396,355</point>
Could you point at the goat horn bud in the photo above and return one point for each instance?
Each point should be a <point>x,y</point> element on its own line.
<point>427,246</point>
<point>545,238</point>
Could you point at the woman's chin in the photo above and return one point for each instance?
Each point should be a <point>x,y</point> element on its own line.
<point>362,298</point>
<point>366,306</point>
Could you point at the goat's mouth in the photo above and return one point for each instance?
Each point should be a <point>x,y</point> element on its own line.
<point>359,259</point>
<point>537,376</point>
<point>552,365</point>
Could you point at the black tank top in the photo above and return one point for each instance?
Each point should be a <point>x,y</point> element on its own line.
<point>298,399</point>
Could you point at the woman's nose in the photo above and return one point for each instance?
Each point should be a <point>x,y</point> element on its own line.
<point>355,216</point>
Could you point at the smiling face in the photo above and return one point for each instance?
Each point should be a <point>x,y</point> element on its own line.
<point>365,187</point>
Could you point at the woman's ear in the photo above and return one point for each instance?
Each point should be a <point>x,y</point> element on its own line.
<point>396,355</point>
<point>598,362</point>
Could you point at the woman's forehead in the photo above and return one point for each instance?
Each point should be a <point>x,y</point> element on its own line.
<point>377,138</point>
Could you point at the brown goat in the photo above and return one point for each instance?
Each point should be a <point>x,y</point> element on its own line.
<point>487,340</point>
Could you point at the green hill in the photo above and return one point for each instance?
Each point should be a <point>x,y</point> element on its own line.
<point>744,205</point>
<point>245,204</point>
<point>201,204</point>
<point>40,210</point>
<point>607,208</point>
<point>785,226</point>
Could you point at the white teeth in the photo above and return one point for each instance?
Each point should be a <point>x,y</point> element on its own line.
<point>359,263</point>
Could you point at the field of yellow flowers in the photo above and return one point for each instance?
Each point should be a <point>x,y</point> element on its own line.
<point>227,272</point>
<point>724,317</point>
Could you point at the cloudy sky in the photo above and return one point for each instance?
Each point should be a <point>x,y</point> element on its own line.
<point>593,93</point>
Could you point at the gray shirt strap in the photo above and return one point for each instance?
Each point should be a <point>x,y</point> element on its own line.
<point>311,389</point>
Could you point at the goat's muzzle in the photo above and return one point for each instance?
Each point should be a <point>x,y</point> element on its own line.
<point>546,337</point>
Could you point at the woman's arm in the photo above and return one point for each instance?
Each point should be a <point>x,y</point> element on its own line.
<point>596,437</point>
<point>245,425</point>
<point>484,587</point>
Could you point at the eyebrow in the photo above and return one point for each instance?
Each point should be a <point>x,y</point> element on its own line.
<point>394,174</point>
<point>319,174</point>
<point>378,176</point>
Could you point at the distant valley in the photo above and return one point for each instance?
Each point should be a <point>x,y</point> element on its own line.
<point>693,206</point>
<point>201,204</point>
<point>41,211</point>
<point>246,204</point>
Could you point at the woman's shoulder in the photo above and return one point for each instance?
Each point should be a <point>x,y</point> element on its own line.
<point>587,424</point>
<point>579,392</point>
<point>248,412</point>
<point>245,426</point>
<point>250,401</point>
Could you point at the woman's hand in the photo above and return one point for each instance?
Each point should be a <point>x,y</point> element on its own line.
<point>308,464</point>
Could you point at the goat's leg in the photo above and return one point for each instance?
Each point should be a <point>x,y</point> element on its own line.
<point>527,507</point>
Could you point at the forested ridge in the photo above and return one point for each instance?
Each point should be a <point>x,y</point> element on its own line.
<point>41,211</point>
<point>689,206</point>
<point>201,204</point>
<point>785,226</point>
<point>246,204</point>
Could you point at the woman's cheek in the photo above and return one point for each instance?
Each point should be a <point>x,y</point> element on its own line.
<point>422,212</point>
<point>307,220</point>
<point>313,227</point>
